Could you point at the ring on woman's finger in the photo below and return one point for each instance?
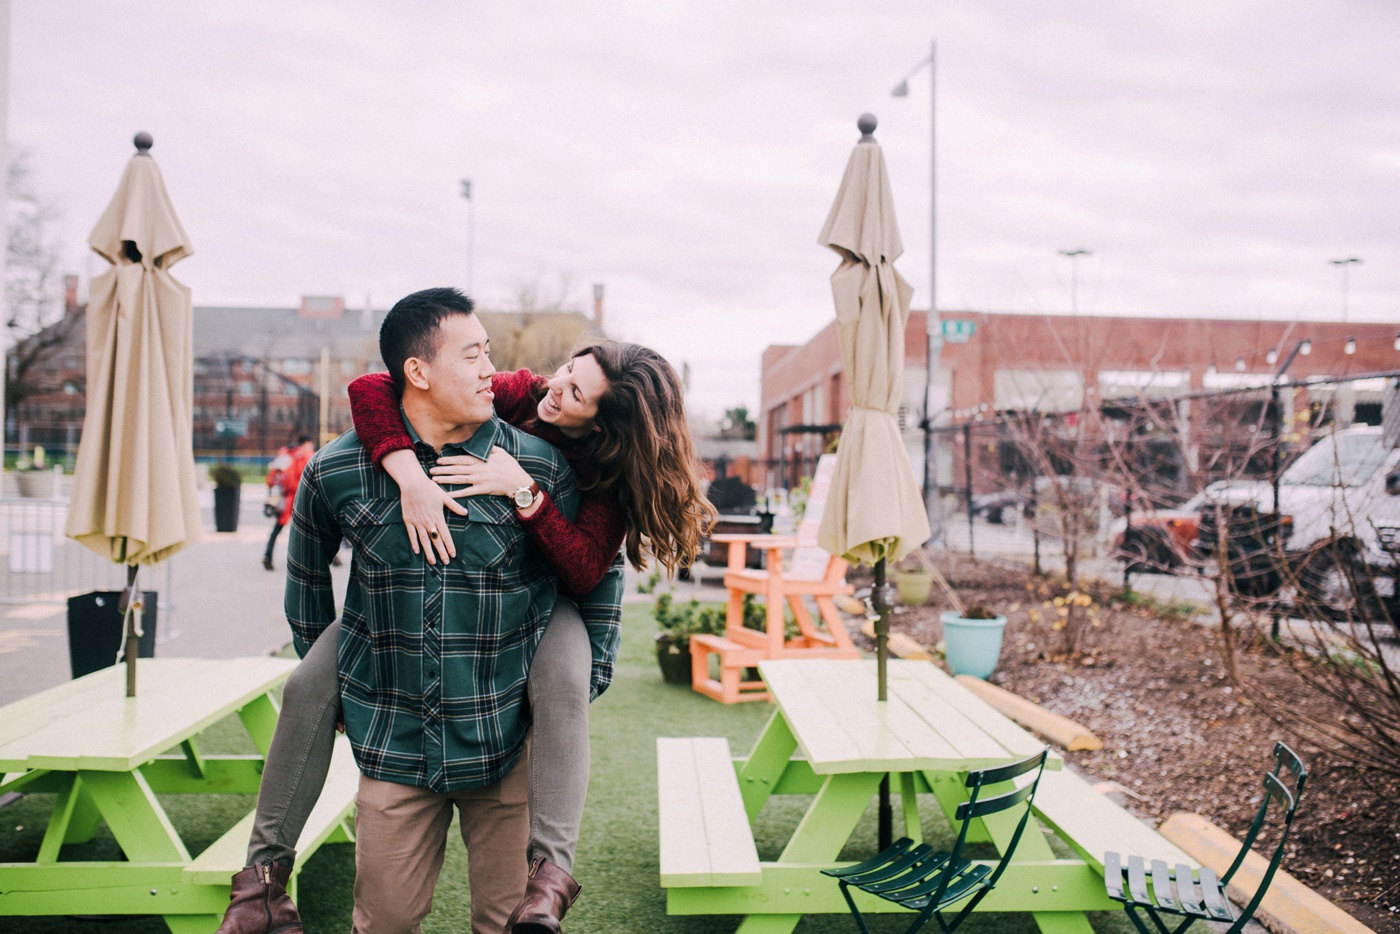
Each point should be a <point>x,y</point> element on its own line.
<point>432,533</point>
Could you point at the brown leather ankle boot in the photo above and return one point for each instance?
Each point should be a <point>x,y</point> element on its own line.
<point>259,903</point>
<point>548,894</point>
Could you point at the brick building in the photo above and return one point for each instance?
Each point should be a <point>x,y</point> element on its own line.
<point>1214,371</point>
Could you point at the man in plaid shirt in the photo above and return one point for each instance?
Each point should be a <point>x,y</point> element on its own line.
<point>433,658</point>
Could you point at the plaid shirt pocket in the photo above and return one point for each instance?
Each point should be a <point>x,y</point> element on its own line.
<point>498,534</point>
<point>375,527</point>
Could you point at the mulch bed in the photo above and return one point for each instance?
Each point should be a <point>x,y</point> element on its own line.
<point>1178,735</point>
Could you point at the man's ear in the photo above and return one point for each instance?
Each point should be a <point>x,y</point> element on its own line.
<point>415,372</point>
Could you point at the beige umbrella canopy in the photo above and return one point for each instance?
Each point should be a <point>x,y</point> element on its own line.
<point>133,486</point>
<point>875,510</point>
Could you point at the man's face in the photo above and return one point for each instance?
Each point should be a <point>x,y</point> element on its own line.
<point>459,375</point>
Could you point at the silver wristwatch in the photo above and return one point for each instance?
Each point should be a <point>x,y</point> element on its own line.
<point>526,495</point>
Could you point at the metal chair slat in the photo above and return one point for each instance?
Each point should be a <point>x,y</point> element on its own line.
<point>1214,897</point>
<point>1137,878</point>
<point>1162,884</point>
<point>1113,875</point>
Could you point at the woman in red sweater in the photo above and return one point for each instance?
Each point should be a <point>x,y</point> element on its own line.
<point>616,412</point>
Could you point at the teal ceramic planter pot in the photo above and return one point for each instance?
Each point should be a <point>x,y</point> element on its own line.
<point>972,645</point>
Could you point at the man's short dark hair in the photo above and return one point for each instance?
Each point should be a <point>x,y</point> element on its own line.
<point>410,329</point>
<point>304,439</point>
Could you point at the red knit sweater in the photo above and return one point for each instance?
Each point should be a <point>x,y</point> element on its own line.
<point>579,552</point>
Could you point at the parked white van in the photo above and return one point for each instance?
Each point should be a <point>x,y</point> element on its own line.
<point>1341,503</point>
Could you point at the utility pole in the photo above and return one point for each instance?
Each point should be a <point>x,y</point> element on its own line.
<point>933,329</point>
<point>1346,265</point>
<point>471,224</point>
<point>1074,276</point>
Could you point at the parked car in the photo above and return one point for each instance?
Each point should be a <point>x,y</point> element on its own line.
<point>999,507</point>
<point>1159,540</point>
<point>1338,520</point>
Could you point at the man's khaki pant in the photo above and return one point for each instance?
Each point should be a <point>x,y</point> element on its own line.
<point>400,839</point>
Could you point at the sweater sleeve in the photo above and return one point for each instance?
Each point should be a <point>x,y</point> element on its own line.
<point>374,406</point>
<point>578,552</point>
<point>517,395</point>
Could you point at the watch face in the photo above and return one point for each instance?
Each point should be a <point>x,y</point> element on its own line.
<point>524,497</point>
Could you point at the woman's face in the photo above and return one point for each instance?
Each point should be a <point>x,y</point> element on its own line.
<point>571,403</point>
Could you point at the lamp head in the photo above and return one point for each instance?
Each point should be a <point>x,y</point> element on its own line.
<point>1305,347</point>
<point>900,90</point>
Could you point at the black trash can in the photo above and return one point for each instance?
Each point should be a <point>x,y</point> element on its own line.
<point>95,630</point>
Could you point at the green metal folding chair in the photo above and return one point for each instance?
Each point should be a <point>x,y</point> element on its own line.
<point>1181,893</point>
<point>925,881</point>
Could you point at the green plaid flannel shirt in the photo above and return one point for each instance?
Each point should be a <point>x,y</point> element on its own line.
<point>433,658</point>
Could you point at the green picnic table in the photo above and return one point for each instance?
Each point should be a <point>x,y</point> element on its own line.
<point>831,739</point>
<point>108,757</point>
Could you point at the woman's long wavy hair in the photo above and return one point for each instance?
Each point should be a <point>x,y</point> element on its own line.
<point>641,451</point>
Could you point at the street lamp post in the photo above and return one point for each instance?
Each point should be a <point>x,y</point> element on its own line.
<point>1074,275</point>
<point>1345,265</point>
<point>933,330</point>
<point>471,223</point>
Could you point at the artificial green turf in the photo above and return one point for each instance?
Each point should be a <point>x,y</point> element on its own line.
<point>617,856</point>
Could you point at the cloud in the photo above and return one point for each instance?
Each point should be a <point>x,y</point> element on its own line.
<point>1212,156</point>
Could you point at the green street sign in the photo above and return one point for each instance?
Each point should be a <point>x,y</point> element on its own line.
<point>958,331</point>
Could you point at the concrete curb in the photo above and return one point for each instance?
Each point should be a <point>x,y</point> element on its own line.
<point>1289,905</point>
<point>1062,731</point>
<point>901,646</point>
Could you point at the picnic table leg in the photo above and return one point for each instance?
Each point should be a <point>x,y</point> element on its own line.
<point>950,791</point>
<point>74,820</point>
<point>1033,846</point>
<point>764,766</point>
<point>259,718</point>
<point>829,821</point>
<point>819,838</point>
<point>909,799</point>
<point>134,816</point>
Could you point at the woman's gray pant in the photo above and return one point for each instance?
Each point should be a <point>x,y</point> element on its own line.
<point>300,755</point>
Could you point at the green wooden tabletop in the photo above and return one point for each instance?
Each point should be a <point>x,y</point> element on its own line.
<point>89,723</point>
<point>929,723</point>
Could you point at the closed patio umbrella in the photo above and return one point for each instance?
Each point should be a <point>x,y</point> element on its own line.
<point>133,485</point>
<point>874,512</point>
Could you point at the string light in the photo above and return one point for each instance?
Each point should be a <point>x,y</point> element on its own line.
<point>1350,347</point>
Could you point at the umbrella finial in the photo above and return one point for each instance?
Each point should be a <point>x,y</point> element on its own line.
<point>866,124</point>
<point>143,143</point>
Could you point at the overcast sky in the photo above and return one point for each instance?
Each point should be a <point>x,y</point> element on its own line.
<point>1213,155</point>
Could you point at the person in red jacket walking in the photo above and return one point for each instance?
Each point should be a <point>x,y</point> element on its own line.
<point>283,475</point>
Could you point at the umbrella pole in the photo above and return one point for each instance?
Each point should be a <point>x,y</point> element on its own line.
<point>130,608</point>
<point>881,599</point>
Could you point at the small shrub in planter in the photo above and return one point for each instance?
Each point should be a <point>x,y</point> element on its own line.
<point>227,482</point>
<point>678,623</point>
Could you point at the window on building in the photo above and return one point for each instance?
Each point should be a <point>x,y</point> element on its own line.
<point>1038,390</point>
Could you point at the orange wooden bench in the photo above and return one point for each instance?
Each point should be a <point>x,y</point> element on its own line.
<point>808,572</point>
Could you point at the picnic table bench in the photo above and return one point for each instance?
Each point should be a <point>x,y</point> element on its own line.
<point>831,739</point>
<point>107,758</point>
